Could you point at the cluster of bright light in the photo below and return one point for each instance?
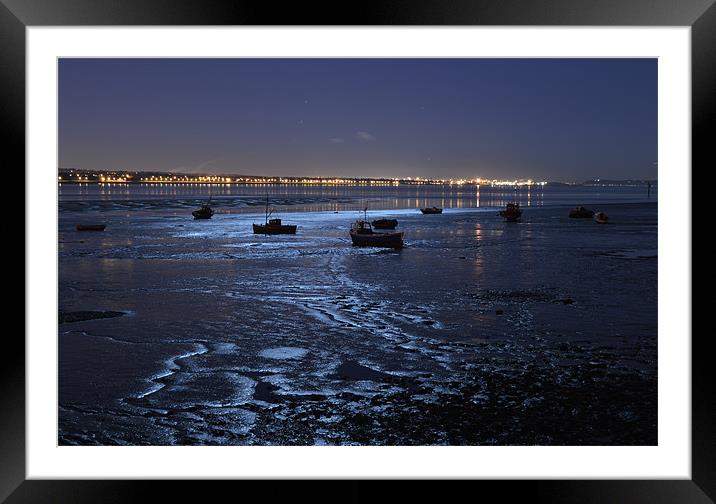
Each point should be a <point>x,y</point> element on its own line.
<point>76,177</point>
<point>215,179</point>
<point>425,181</point>
<point>110,180</point>
<point>266,180</point>
<point>516,182</point>
<point>186,179</point>
<point>100,178</point>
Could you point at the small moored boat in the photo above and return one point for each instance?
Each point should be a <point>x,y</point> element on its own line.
<point>385,223</point>
<point>205,212</point>
<point>601,218</point>
<point>362,235</point>
<point>432,210</point>
<point>273,226</point>
<point>581,213</point>
<point>90,227</point>
<point>512,212</point>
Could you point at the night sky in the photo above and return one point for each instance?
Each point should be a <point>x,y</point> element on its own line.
<point>545,119</point>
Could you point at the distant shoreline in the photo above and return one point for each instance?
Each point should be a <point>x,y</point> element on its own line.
<point>355,183</point>
<point>72,176</point>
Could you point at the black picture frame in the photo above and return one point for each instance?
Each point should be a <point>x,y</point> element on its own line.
<point>700,15</point>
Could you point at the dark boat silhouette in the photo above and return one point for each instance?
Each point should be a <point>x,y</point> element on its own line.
<point>512,212</point>
<point>90,227</point>
<point>432,210</point>
<point>205,212</point>
<point>601,218</point>
<point>273,226</point>
<point>581,213</point>
<point>385,223</point>
<point>362,235</point>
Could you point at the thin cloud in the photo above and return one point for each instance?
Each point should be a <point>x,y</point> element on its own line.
<point>336,140</point>
<point>365,136</point>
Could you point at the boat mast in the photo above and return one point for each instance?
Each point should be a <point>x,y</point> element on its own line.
<point>266,219</point>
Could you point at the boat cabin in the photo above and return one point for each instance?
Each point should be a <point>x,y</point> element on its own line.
<point>362,227</point>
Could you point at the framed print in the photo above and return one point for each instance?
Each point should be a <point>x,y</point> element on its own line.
<point>424,243</point>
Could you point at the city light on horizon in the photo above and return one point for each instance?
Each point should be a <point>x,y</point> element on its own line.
<point>123,177</point>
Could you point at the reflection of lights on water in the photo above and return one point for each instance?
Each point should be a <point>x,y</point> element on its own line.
<point>333,198</point>
<point>478,262</point>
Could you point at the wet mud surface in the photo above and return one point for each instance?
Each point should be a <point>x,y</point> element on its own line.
<point>479,332</point>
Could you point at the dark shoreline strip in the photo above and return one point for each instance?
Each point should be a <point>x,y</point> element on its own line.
<point>79,316</point>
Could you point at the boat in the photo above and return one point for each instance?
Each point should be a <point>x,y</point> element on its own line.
<point>601,218</point>
<point>90,227</point>
<point>205,212</point>
<point>273,226</point>
<point>385,223</point>
<point>512,212</point>
<point>432,210</point>
<point>581,213</point>
<point>362,235</point>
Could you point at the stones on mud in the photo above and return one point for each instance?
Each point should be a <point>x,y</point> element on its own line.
<point>507,398</point>
<point>489,408</point>
<point>628,416</point>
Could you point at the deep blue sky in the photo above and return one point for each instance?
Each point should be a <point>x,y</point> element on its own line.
<point>553,119</point>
